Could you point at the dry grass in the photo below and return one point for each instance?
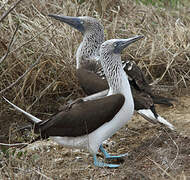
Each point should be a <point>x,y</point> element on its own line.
<point>163,54</point>
<point>40,63</point>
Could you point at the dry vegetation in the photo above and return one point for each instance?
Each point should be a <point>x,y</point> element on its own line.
<point>39,69</point>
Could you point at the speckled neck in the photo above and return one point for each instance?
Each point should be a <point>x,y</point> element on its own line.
<point>113,70</point>
<point>89,47</point>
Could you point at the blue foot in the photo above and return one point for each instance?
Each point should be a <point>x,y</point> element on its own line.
<point>102,164</point>
<point>108,156</point>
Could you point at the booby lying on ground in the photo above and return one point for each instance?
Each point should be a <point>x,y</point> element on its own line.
<point>89,69</point>
<point>87,124</point>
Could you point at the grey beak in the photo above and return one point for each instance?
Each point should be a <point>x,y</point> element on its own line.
<point>122,44</point>
<point>74,22</point>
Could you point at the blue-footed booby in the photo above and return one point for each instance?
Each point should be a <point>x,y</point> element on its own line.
<point>89,68</point>
<point>88,123</point>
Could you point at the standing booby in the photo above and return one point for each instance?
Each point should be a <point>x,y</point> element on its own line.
<point>88,123</point>
<point>89,68</point>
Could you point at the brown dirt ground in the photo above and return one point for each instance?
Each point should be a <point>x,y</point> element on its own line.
<point>154,153</point>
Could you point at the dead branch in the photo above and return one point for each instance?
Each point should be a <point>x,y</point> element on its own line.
<point>36,171</point>
<point>9,10</point>
<point>30,40</point>
<point>26,72</point>
<point>177,152</point>
<point>158,165</point>
<point>43,92</point>
<point>10,44</point>
<point>13,145</point>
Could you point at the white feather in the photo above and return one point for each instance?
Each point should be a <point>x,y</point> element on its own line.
<point>165,122</point>
<point>148,114</point>
<point>30,116</point>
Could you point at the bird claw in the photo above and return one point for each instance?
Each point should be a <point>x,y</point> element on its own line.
<point>102,164</point>
<point>108,156</point>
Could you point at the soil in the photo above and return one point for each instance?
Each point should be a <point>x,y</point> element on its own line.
<point>155,152</point>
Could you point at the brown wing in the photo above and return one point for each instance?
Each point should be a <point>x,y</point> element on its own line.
<point>83,118</point>
<point>90,82</point>
<point>137,77</point>
<point>141,100</point>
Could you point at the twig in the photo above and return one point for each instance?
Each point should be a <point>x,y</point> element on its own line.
<point>177,153</point>
<point>43,175</point>
<point>26,72</point>
<point>169,62</point>
<point>31,39</point>
<point>9,10</point>
<point>10,44</point>
<point>32,169</point>
<point>43,92</point>
<point>13,145</point>
<point>141,153</point>
<point>161,168</point>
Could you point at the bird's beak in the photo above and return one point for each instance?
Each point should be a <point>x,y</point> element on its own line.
<point>122,44</point>
<point>74,22</point>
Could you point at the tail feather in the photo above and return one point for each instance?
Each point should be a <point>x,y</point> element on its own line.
<point>30,116</point>
<point>163,121</point>
<point>149,115</point>
<point>162,100</point>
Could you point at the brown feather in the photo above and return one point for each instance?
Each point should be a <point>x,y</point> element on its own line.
<point>82,119</point>
<point>90,82</point>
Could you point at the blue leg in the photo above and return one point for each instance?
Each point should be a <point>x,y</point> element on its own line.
<point>108,156</point>
<point>102,164</point>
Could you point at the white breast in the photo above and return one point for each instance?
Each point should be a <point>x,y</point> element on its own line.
<point>120,119</point>
<point>92,141</point>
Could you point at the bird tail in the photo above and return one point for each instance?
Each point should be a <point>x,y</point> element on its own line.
<point>162,100</point>
<point>149,115</point>
<point>165,122</point>
<point>32,118</point>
